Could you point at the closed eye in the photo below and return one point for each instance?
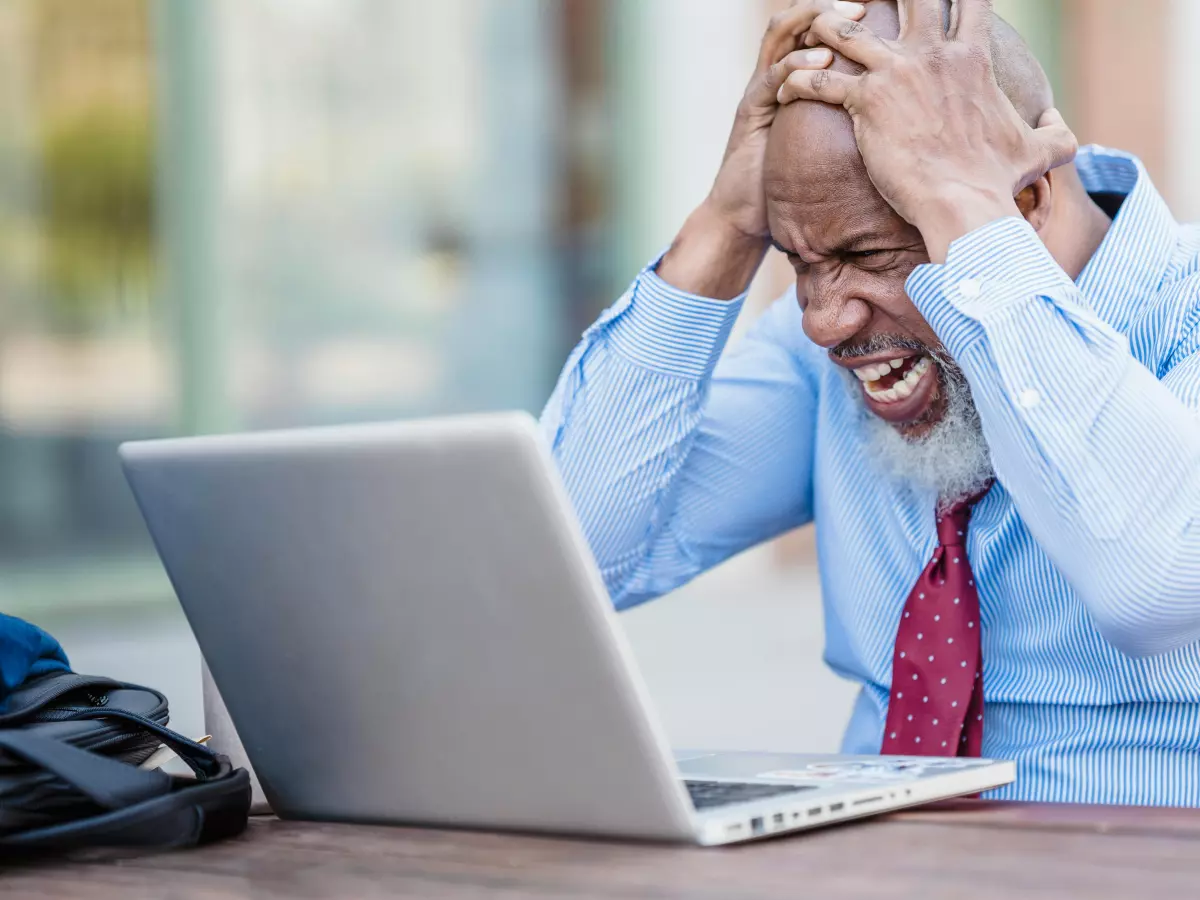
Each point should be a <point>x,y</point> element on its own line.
<point>880,258</point>
<point>782,249</point>
<point>794,258</point>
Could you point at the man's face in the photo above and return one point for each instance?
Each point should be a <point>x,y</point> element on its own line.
<point>852,254</point>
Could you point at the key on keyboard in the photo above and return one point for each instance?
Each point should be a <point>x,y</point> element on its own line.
<point>707,794</point>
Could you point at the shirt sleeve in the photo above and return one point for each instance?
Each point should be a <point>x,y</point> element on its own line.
<point>674,456</point>
<point>1101,457</point>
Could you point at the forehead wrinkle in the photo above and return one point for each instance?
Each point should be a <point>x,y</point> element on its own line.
<point>823,192</point>
<point>837,222</point>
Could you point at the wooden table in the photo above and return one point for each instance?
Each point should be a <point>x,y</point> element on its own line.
<point>964,849</point>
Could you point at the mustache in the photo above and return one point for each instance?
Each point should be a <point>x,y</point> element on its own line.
<point>878,343</point>
<point>881,343</point>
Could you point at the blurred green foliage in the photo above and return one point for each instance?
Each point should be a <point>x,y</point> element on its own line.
<point>97,211</point>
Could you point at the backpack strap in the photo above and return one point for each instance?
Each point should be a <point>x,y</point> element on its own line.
<point>139,807</point>
<point>204,762</point>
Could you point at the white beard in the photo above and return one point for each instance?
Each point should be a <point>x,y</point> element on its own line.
<point>952,460</point>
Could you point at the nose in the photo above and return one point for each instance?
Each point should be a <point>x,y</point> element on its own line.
<point>832,312</point>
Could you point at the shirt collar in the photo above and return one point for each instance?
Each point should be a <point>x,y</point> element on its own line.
<point>1134,255</point>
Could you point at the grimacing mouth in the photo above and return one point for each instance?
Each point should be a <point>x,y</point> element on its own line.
<point>900,380</point>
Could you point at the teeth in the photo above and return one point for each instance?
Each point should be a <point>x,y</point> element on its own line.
<point>902,389</point>
<point>872,373</point>
<point>878,370</point>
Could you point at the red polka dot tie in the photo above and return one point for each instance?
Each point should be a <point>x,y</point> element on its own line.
<point>936,705</point>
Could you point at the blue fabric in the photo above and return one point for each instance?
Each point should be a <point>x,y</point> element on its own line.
<point>678,455</point>
<point>26,652</point>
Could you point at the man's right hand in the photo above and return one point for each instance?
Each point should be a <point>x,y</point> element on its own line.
<point>723,242</point>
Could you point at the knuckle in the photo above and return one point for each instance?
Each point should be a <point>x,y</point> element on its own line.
<point>849,30</point>
<point>777,21</point>
<point>978,58</point>
<point>936,59</point>
<point>966,57</point>
<point>820,80</point>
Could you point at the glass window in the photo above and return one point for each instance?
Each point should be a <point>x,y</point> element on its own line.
<point>82,360</point>
<point>264,213</point>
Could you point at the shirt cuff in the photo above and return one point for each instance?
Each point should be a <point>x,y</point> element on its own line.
<point>671,331</point>
<point>986,274</point>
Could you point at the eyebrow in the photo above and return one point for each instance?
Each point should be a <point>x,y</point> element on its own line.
<point>850,246</point>
<point>870,237</point>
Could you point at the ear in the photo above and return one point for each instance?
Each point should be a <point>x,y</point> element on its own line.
<point>1034,202</point>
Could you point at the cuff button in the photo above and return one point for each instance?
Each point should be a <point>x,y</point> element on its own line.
<point>1028,399</point>
<point>970,288</point>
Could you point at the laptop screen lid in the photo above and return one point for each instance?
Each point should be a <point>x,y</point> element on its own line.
<point>407,626</point>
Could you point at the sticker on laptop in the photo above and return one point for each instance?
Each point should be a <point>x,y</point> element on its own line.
<point>885,769</point>
<point>845,772</point>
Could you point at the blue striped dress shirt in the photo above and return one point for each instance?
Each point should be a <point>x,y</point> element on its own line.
<point>1086,552</point>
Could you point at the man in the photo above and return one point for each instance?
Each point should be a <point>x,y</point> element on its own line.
<point>984,390</point>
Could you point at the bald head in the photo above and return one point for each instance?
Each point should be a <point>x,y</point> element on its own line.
<point>812,146</point>
<point>806,128</point>
<point>1018,73</point>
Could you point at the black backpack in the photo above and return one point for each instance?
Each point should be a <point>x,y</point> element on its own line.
<point>70,747</point>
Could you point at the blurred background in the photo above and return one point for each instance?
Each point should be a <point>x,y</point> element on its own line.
<point>257,213</point>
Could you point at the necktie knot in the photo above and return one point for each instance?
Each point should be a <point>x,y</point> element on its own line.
<point>952,526</point>
<point>952,522</point>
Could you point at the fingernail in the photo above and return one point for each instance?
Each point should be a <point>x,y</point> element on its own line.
<point>849,9</point>
<point>820,56</point>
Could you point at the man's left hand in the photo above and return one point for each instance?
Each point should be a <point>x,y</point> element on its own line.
<point>941,142</point>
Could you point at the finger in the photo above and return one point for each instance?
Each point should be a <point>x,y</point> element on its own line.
<point>1056,143</point>
<point>767,87</point>
<point>814,58</point>
<point>823,84</point>
<point>786,26</point>
<point>974,21</point>
<point>921,19</point>
<point>851,39</point>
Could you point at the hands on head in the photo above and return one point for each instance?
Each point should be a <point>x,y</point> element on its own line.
<point>941,141</point>
<point>723,242</point>
<point>737,194</point>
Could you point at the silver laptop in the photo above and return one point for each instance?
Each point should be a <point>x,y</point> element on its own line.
<point>408,627</point>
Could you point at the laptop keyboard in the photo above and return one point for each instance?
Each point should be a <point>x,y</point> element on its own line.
<point>707,794</point>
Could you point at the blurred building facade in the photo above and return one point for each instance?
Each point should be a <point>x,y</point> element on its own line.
<point>260,213</point>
